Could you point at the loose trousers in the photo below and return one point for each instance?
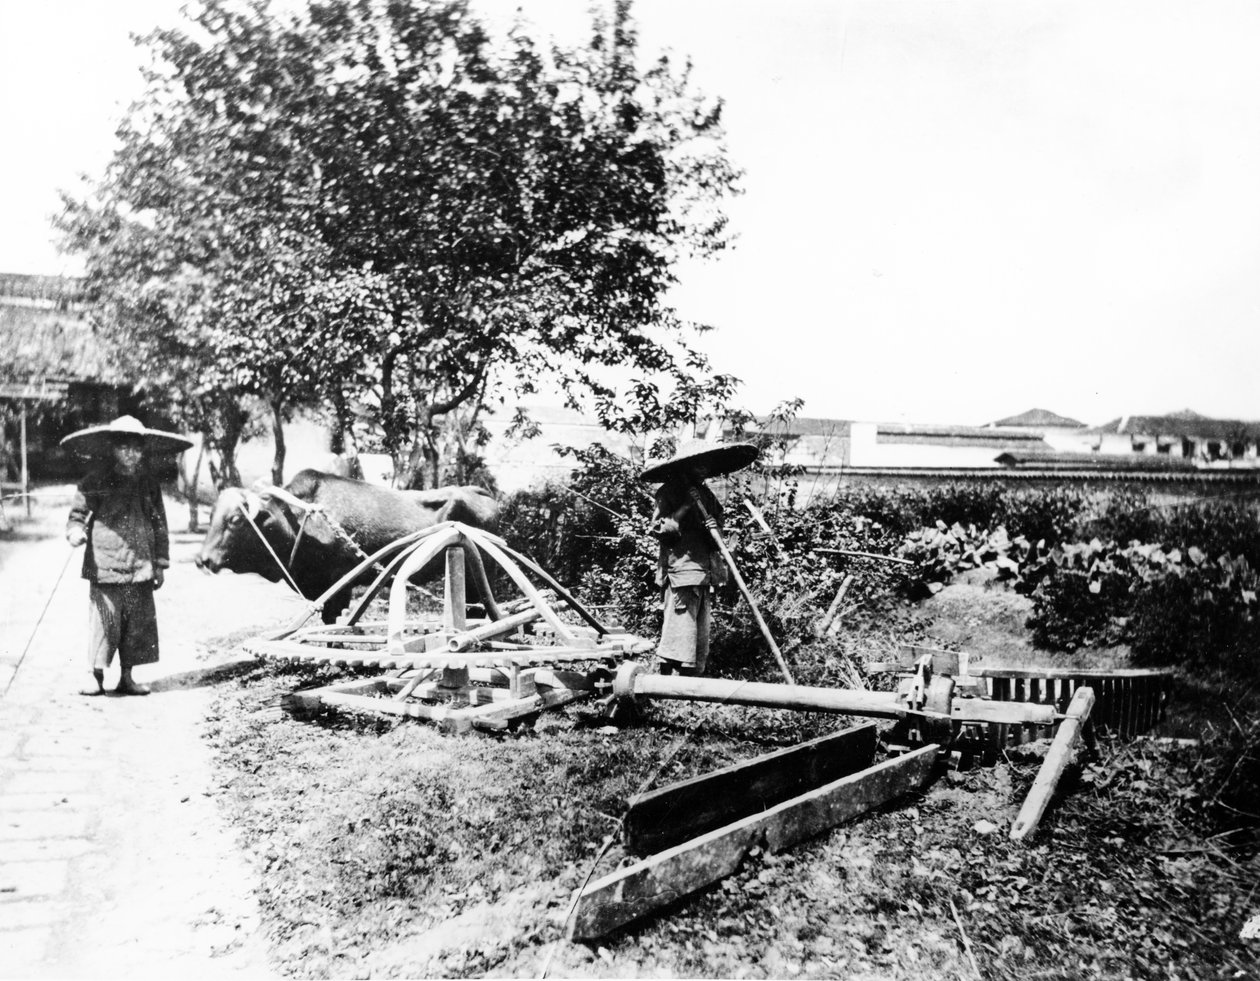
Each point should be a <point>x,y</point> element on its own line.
<point>122,618</point>
<point>685,630</point>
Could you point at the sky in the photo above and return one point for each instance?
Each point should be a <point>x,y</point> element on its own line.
<point>953,211</point>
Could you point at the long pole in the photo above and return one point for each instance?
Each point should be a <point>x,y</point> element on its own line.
<point>26,474</point>
<point>709,523</point>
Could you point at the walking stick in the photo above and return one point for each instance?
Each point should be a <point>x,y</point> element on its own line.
<point>711,524</point>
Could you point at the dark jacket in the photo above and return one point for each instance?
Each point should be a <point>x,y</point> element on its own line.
<point>688,557</point>
<point>125,523</point>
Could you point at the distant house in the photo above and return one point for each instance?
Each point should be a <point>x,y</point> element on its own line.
<point>1062,433</point>
<point>835,443</point>
<point>1184,435</point>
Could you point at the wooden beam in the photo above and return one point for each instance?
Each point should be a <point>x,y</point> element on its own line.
<point>1002,712</point>
<point>662,818</point>
<point>632,892</point>
<point>1069,673</point>
<point>1056,761</point>
<point>840,700</point>
<point>455,598</point>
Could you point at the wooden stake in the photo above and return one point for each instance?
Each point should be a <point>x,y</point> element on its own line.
<point>1056,761</point>
<point>823,625</point>
<point>455,599</point>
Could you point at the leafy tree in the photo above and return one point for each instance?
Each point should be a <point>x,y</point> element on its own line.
<point>382,208</point>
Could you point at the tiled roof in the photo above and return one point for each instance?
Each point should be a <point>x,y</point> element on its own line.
<point>1040,418</point>
<point>1135,462</point>
<point>1187,424</point>
<point>985,434</point>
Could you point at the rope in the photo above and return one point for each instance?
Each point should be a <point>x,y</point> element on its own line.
<point>35,629</point>
<point>267,545</point>
<point>337,529</point>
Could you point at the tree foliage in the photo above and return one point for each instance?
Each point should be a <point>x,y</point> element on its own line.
<point>373,203</point>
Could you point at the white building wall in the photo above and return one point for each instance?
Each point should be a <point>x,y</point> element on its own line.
<point>1069,440</point>
<point>866,451</point>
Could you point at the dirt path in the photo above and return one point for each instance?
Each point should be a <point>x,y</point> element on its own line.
<point>114,859</point>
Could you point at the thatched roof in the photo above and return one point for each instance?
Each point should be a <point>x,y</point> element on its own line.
<point>54,290</point>
<point>47,337</point>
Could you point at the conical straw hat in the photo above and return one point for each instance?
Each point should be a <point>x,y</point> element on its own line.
<point>716,458</point>
<point>100,439</point>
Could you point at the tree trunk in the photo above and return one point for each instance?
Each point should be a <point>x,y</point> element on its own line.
<point>417,469</point>
<point>432,463</point>
<point>277,432</point>
<point>190,489</point>
<point>231,419</point>
<point>225,474</point>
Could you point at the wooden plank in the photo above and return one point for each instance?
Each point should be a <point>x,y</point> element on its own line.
<point>632,892</point>
<point>943,662</point>
<point>1068,672</point>
<point>665,817</point>
<point>387,706</point>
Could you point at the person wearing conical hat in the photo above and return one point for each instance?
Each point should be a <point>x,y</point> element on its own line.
<point>119,516</point>
<point>690,564</point>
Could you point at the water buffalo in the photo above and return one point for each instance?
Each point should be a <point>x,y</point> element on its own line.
<point>373,516</point>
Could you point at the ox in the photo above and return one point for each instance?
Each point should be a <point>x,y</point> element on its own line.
<point>373,516</point>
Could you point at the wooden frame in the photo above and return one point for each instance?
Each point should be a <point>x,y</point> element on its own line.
<point>457,707</point>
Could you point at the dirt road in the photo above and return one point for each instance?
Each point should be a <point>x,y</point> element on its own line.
<point>114,859</point>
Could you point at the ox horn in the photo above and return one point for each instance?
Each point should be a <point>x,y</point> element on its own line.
<point>282,495</point>
<point>251,503</point>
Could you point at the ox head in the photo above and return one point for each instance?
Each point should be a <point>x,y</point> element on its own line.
<point>232,542</point>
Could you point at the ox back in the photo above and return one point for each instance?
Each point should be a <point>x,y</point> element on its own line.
<point>376,516</point>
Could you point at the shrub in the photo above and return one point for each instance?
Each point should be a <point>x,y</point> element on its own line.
<point>1080,555</point>
<point>1172,606</point>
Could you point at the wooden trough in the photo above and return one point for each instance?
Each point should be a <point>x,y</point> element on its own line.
<point>459,671</point>
<point>699,831</point>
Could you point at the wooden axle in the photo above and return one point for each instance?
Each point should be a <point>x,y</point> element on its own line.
<point>633,682</point>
